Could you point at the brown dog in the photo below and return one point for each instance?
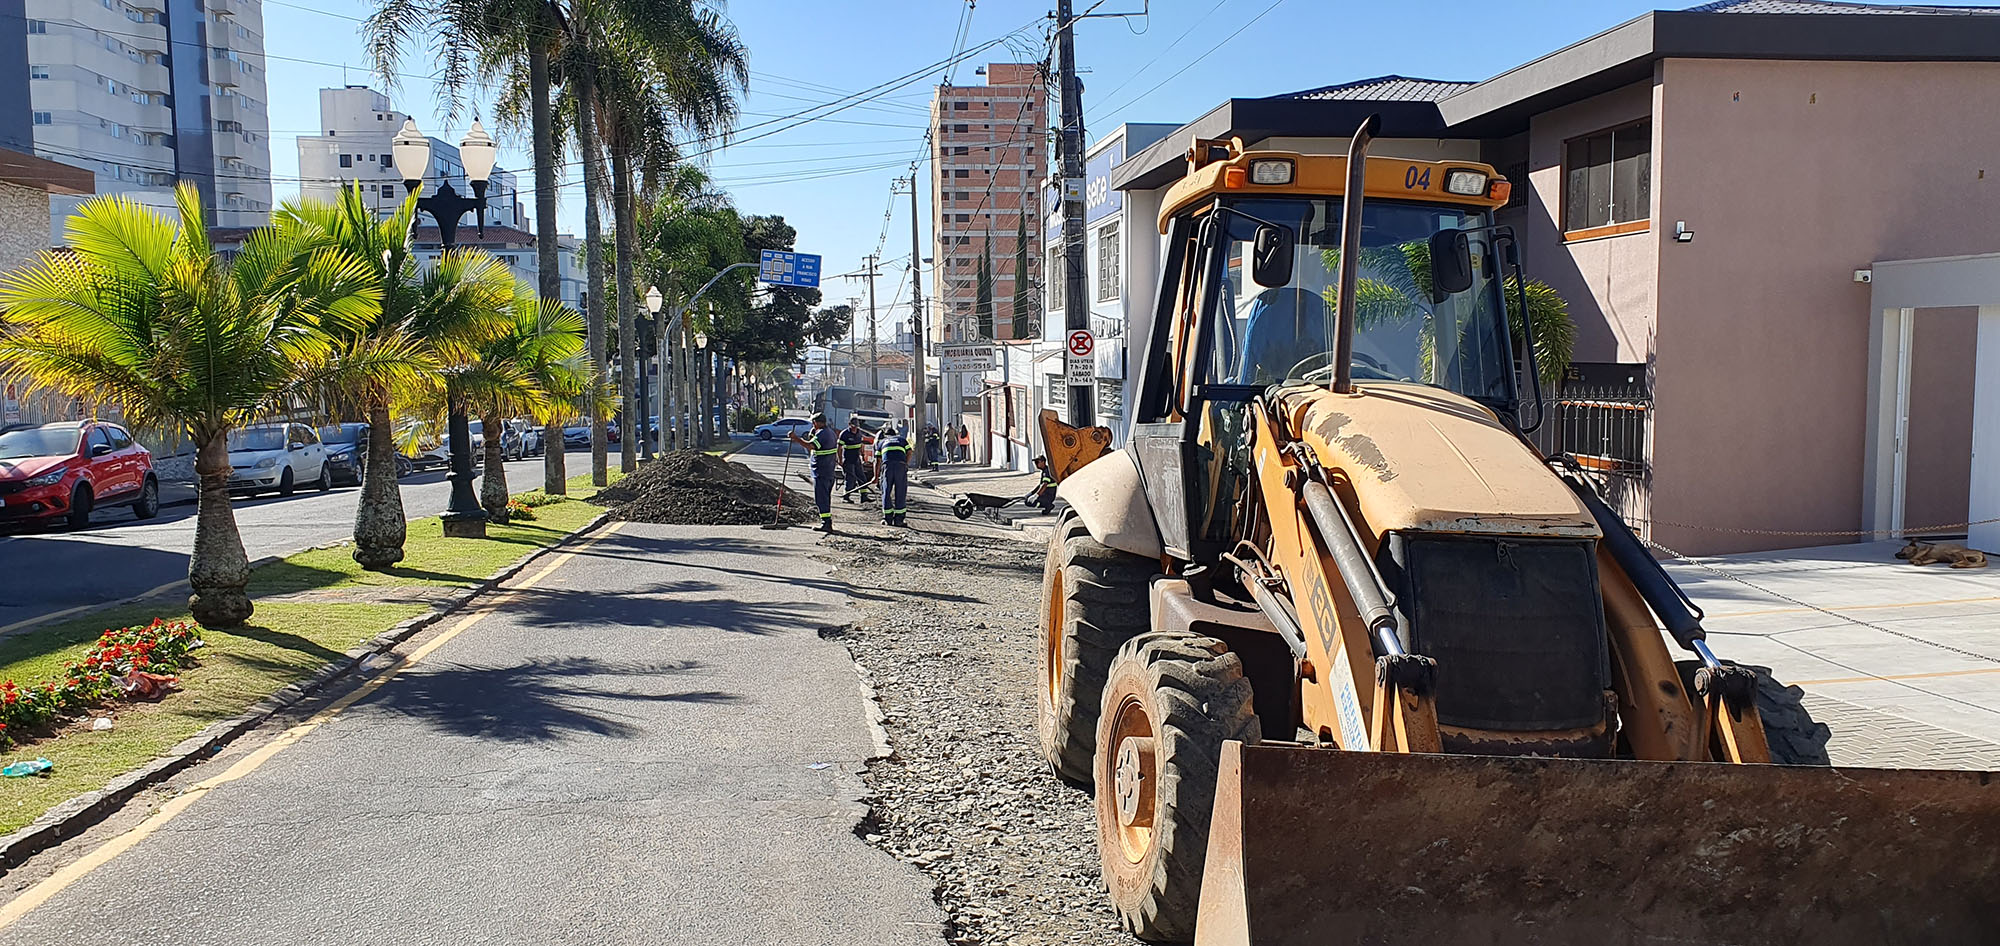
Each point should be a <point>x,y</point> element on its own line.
<point>1926,553</point>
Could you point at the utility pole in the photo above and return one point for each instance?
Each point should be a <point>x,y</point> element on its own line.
<point>874,357</point>
<point>1076,311</point>
<point>917,317</point>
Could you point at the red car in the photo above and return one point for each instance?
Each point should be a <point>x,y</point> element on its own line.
<point>71,468</point>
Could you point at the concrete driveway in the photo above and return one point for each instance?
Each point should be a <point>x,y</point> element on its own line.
<point>1901,662</point>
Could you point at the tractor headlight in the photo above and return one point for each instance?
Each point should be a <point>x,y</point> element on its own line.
<point>1465,183</point>
<point>267,463</point>
<point>50,478</point>
<point>1271,171</point>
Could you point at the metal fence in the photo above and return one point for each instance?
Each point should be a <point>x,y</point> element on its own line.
<point>1601,430</point>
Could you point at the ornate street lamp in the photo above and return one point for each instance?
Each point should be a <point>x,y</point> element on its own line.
<point>463,518</point>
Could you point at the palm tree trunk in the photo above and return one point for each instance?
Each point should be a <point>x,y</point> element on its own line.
<point>218,571</point>
<point>555,479</point>
<point>379,525</point>
<point>543,132</point>
<point>548,278</point>
<point>593,234</point>
<point>493,481</point>
<point>628,349</point>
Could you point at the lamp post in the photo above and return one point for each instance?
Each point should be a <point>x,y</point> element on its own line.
<point>703,422</point>
<point>653,302</point>
<point>463,517</point>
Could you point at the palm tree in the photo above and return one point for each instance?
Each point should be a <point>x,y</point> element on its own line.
<point>530,368</point>
<point>428,321</point>
<point>144,314</point>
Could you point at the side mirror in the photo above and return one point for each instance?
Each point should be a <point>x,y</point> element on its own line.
<point>1271,255</point>
<point>1451,263</point>
<point>296,445</point>
<point>99,449</point>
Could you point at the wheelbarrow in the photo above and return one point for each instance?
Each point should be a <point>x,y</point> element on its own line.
<point>965,505</point>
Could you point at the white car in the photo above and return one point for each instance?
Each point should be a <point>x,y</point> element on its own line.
<point>277,456</point>
<point>783,426</point>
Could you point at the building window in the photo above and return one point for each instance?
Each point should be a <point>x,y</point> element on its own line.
<point>1608,179</point>
<point>389,191</point>
<point>347,160</point>
<point>963,218</point>
<point>38,72</point>
<point>961,172</point>
<point>959,106</point>
<point>44,118</point>
<point>38,26</point>
<point>960,129</point>
<point>1107,262</point>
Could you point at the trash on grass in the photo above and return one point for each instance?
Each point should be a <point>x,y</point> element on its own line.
<point>25,767</point>
<point>101,723</point>
<point>140,685</point>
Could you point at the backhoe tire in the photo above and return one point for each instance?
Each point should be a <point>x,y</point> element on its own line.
<point>1794,736</point>
<point>1170,701</point>
<point>1093,601</point>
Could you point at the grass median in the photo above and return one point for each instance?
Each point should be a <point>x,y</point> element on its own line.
<point>311,607</point>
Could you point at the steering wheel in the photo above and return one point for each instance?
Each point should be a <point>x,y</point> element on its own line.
<point>1367,368</point>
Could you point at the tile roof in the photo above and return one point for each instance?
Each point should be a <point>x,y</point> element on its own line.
<point>1383,89</point>
<point>1837,7</point>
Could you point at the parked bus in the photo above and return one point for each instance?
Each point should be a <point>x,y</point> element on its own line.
<point>839,400</point>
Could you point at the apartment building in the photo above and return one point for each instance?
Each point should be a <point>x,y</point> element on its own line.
<point>360,124</point>
<point>107,96</point>
<point>1773,222</point>
<point>992,154</point>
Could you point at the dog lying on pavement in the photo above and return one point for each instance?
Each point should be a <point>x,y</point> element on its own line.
<point>1926,553</point>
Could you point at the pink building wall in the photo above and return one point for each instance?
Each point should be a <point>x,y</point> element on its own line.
<point>1793,175</point>
<point>1608,281</point>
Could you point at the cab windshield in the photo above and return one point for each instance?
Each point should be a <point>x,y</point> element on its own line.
<point>1403,332</point>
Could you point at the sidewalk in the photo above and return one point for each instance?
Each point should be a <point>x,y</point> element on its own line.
<point>1901,662</point>
<point>652,744</point>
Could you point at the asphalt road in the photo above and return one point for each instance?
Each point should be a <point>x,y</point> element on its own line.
<point>51,569</point>
<point>651,744</point>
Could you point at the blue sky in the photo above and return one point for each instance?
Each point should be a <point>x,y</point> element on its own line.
<point>831,178</point>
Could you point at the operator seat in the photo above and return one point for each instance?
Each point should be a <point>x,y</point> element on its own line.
<point>1286,324</point>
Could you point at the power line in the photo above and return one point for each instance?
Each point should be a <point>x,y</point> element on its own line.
<point>1190,64</point>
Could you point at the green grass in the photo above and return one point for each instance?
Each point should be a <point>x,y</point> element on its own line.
<point>284,642</point>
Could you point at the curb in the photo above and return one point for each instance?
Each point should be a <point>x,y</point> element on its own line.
<point>73,816</point>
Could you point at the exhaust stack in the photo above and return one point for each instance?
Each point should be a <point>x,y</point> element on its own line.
<point>1350,252</point>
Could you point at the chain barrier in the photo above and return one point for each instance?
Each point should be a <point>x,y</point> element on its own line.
<point>1948,528</point>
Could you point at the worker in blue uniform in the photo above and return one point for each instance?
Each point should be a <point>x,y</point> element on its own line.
<point>851,441</point>
<point>892,457</point>
<point>821,446</point>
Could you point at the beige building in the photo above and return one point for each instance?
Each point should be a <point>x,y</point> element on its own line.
<point>992,155</point>
<point>107,96</point>
<point>1710,190</point>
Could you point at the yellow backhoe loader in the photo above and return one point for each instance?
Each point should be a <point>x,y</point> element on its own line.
<point>1348,660</point>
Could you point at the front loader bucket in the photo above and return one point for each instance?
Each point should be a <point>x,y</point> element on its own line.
<point>1322,846</point>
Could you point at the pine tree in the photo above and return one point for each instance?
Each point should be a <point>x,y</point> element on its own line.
<point>983,294</point>
<point>1027,314</point>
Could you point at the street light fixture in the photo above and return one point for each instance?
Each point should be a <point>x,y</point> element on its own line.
<point>411,151</point>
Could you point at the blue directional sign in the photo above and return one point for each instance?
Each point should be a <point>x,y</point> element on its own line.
<point>788,269</point>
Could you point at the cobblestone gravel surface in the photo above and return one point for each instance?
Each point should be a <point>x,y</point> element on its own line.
<point>948,642</point>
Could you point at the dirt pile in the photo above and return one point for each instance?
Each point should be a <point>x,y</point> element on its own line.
<point>687,486</point>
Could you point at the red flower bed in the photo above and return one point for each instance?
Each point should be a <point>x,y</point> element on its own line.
<point>115,662</point>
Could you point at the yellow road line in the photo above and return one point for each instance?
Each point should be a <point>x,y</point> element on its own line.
<point>1895,676</point>
<point>1856,607</point>
<point>40,893</point>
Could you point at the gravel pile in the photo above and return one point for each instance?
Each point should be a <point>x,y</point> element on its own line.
<point>687,486</point>
<point>949,645</point>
